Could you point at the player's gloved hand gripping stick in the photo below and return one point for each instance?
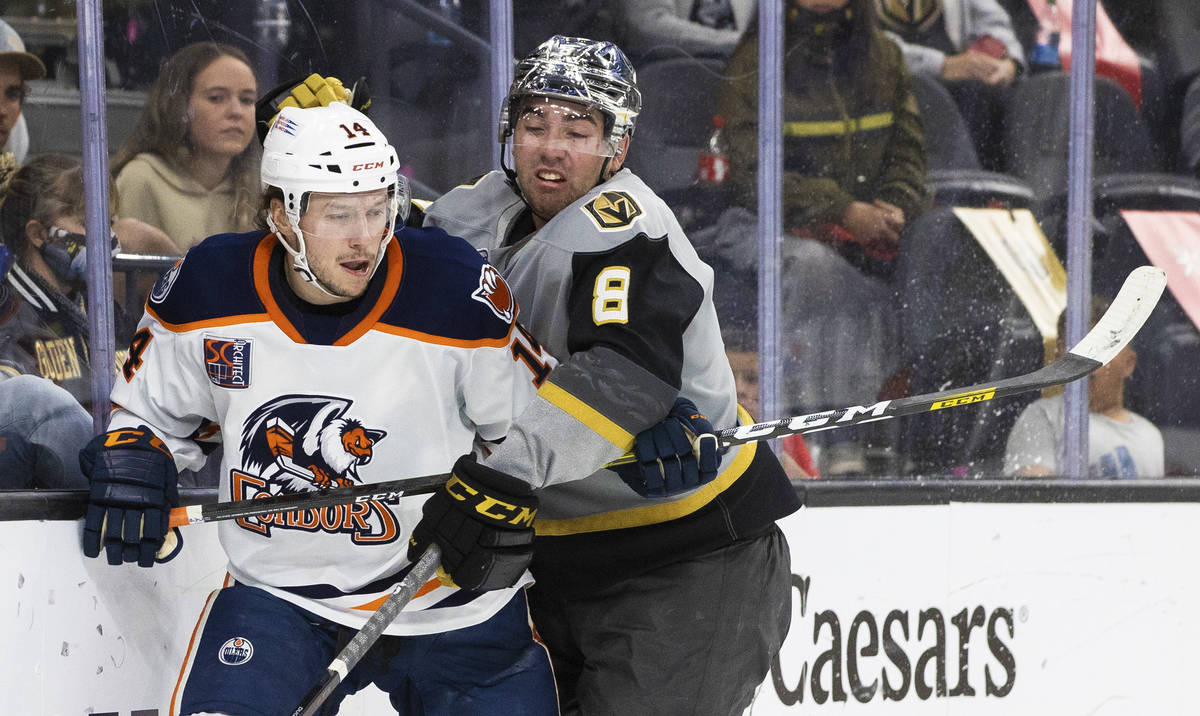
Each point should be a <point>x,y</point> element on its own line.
<point>1115,329</point>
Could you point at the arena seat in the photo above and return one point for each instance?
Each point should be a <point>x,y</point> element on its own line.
<point>956,177</point>
<point>679,97</point>
<point>1189,129</point>
<point>52,112</point>
<point>1037,134</point>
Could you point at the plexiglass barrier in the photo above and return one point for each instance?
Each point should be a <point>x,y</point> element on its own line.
<point>927,233</point>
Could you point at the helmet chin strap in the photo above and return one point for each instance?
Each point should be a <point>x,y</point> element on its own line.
<point>300,257</point>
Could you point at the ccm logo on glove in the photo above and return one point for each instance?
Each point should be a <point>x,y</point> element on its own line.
<point>489,506</point>
<point>129,437</point>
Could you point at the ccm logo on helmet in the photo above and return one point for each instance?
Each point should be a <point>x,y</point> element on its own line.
<point>366,166</point>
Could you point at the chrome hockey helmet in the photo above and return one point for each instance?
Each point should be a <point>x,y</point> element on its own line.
<point>594,73</point>
<point>332,149</point>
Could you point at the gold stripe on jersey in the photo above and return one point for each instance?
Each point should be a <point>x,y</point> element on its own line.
<point>656,512</point>
<point>836,127</point>
<point>586,414</point>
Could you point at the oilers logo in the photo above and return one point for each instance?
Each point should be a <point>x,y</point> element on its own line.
<point>302,443</point>
<point>494,293</point>
<point>162,287</point>
<point>236,651</point>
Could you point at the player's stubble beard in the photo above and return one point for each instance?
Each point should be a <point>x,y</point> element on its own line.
<point>344,286</point>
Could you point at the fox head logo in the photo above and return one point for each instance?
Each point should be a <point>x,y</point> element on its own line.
<point>494,292</point>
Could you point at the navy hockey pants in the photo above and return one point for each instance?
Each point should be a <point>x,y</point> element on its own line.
<point>258,655</point>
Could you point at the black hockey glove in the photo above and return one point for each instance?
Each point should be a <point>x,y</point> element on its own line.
<point>679,454</point>
<point>483,521</point>
<point>134,485</point>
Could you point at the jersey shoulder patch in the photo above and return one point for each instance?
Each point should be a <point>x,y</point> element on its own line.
<point>613,210</point>
<point>213,280</point>
<point>448,290</point>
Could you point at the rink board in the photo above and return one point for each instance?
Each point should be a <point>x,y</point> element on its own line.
<point>945,609</point>
<point>1066,609</point>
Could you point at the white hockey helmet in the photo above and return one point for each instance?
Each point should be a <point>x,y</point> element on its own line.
<point>332,149</point>
<point>596,74</point>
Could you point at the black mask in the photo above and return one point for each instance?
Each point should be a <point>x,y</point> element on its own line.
<point>66,254</point>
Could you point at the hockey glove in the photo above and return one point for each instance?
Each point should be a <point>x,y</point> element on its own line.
<point>312,91</point>
<point>483,521</point>
<point>134,485</point>
<point>679,454</point>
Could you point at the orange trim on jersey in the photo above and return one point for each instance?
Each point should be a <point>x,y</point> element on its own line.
<point>375,604</point>
<point>395,270</point>
<point>262,286</point>
<point>187,655</point>
<point>443,340</point>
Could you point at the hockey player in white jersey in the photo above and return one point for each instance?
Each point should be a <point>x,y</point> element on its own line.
<point>672,605</point>
<point>334,349</point>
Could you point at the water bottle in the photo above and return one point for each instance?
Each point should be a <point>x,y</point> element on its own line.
<point>1045,56</point>
<point>713,166</point>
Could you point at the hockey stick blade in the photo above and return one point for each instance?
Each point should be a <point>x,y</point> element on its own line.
<point>1115,329</point>
<point>366,637</point>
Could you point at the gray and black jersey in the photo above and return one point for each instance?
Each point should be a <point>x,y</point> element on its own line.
<point>613,289</point>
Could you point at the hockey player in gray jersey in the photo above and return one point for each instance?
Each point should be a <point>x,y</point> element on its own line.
<point>668,605</point>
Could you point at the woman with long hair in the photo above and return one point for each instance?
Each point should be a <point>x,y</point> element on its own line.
<point>190,167</point>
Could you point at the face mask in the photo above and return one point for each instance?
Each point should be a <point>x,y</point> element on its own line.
<point>66,254</point>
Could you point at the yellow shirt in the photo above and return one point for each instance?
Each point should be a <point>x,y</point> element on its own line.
<point>153,191</point>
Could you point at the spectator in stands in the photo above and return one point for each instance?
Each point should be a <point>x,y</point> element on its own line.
<point>1190,128</point>
<point>42,430</point>
<point>190,167</point>
<point>43,326</point>
<point>1121,443</point>
<point>797,461</point>
<point>971,47</point>
<point>854,177</point>
<point>669,28</point>
<point>17,67</point>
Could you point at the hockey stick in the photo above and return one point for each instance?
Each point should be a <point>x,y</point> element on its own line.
<point>216,511</point>
<point>366,637</point>
<point>1115,329</point>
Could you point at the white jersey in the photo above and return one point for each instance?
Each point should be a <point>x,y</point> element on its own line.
<point>1116,449</point>
<point>396,384</point>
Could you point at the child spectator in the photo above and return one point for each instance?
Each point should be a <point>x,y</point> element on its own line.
<point>190,167</point>
<point>43,323</point>
<point>1121,443</point>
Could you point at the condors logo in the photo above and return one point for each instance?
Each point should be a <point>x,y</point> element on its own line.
<point>889,656</point>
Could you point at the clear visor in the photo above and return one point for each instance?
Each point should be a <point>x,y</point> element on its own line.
<point>367,215</point>
<point>549,125</point>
